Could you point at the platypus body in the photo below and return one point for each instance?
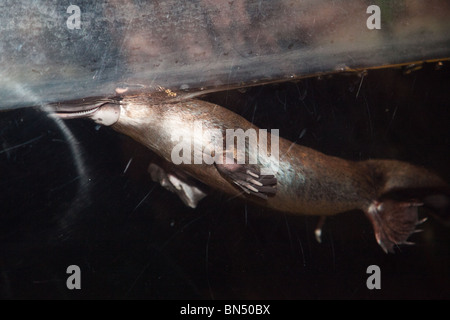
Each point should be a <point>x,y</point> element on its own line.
<point>304,181</point>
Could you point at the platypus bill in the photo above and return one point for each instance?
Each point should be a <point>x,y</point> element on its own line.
<point>306,181</point>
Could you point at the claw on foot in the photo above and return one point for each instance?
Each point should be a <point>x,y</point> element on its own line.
<point>394,222</point>
<point>249,179</point>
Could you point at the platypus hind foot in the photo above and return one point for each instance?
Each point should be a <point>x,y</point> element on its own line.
<point>187,191</point>
<point>393,221</point>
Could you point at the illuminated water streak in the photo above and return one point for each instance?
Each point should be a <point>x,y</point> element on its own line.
<point>82,197</point>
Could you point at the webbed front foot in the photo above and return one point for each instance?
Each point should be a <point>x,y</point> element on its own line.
<point>249,178</point>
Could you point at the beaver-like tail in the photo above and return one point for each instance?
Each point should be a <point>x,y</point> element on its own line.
<point>400,189</point>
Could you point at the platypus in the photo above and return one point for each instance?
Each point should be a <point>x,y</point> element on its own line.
<point>305,181</point>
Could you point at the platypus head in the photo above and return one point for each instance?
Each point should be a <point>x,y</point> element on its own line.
<point>103,111</point>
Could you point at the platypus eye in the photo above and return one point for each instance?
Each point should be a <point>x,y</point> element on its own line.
<point>107,114</point>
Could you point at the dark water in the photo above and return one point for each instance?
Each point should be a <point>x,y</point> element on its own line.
<point>133,239</point>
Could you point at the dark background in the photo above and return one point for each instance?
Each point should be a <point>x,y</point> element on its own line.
<point>133,239</point>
